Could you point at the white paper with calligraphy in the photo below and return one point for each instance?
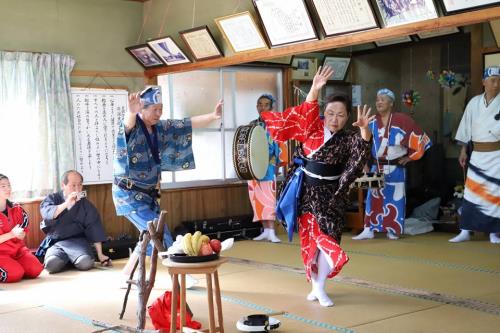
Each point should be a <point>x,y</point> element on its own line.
<point>342,16</point>
<point>97,114</point>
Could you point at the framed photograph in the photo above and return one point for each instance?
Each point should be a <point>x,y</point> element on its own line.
<point>491,59</point>
<point>438,32</point>
<point>241,32</point>
<point>396,12</point>
<point>344,16</point>
<point>304,68</point>
<point>144,56</point>
<point>456,6</point>
<point>340,67</point>
<point>285,22</point>
<point>392,41</point>
<point>168,51</point>
<point>201,43</point>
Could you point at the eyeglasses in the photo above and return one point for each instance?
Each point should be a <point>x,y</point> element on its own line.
<point>497,116</point>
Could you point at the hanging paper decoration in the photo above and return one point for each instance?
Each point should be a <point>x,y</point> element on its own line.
<point>411,98</point>
<point>447,79</point>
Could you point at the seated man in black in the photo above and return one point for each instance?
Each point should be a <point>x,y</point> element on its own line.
<point>71,223</point>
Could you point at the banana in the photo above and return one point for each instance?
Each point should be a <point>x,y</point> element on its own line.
<point>196,243</point>
<point>187,245</point>
<point>204,239</point>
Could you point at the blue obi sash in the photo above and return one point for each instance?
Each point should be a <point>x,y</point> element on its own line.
<point>287,206</point>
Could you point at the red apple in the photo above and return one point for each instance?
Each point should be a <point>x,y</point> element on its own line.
<point>215,244</point>
<point>205,250</point>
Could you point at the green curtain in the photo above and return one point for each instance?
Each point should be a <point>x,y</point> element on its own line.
<point>36,121</point>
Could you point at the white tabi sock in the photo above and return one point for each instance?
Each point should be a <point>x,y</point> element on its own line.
<point>391,235</point>
<point>494,239</point>
<point>271,236</point>
<point>318,281</point>
<point>463,236</point>
<point>366,234</point>
<point>263,235</point>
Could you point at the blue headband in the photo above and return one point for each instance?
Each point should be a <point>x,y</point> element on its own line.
<point>269,97</point>
<point>387,92</point>
<point>151,95</point>
<point>491,71</point>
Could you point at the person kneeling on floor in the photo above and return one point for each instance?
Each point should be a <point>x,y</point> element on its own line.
<point>16,260</point>
<point>71,223</point>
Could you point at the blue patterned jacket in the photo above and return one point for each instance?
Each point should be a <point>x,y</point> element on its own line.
<point>133,160</point>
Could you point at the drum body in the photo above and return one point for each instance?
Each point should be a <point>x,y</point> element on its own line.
<point>250,152</point>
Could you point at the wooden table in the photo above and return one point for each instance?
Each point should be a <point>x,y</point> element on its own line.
<point>209,268</point>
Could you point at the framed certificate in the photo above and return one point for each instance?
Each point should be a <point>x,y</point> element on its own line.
<point>396,12</point>
<point>144,56</point>
<point>344,16</point>
<point>168,51</point>
<point>455,6</point>
<point>241,32</point>
<point>201,43</point>
<point>391,41</point>
<point>285,21</point>
<point>304,68</point>
<point>438,32</point>
<point>340,66</point>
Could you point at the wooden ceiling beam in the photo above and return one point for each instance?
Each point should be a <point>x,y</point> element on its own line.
<point>456,20</point>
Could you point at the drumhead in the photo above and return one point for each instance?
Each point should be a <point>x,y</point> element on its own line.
<point>250,152</point>
<point>259,152</point>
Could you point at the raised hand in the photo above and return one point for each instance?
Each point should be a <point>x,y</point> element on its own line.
<point>364,117</point>
<point>321,77</point>
<point>218,109</point>
<point>135,104</point>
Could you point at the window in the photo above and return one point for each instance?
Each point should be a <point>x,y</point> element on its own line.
<point>194,93</point>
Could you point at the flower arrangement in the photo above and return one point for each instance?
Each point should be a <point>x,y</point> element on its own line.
<point>447,79</point>
<point>411,98</point>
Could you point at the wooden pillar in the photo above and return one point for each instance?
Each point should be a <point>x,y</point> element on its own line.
<point>476,66</point>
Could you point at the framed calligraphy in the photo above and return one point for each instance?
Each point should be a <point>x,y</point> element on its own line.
<point>285,22</point>
<point>241,32</point>
<point>344,16</point>
<point>201,43</point>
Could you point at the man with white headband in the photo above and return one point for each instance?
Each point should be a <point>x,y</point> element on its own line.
<point>397,140</point>
<point>147,145</point>
<point>480,125</point>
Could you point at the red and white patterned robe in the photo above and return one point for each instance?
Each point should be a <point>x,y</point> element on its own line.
<point>321,207</point>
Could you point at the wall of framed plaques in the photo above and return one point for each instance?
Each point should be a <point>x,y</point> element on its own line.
<point>258,30</point>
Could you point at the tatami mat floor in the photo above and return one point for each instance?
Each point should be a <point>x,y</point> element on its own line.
<point>416,284</point>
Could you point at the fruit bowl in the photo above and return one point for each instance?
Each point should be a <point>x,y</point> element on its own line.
<point>183,258</point>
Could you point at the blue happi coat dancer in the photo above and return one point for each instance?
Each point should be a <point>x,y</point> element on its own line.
<point>397,140</point>
<point>480,125</point>
<point>145,147</point>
